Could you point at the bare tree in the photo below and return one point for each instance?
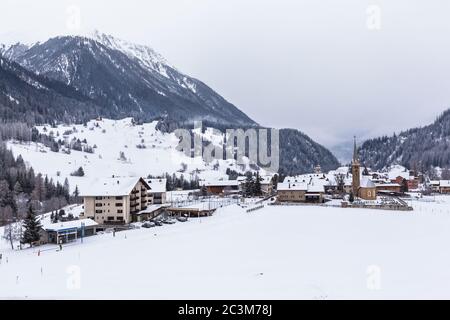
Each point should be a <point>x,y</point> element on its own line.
<point>340,182</point>
<point>11,231</point>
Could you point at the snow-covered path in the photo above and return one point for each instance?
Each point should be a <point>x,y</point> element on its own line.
<point>277,252</point>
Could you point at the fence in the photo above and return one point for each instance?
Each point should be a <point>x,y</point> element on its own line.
<point>255,208</point>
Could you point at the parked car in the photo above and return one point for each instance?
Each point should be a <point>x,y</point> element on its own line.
<point>148,225</point>
<point>158,223</point>
<point>182,219</point>
<point>168,221</point>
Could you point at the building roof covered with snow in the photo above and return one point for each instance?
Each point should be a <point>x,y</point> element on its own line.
<point>366,183</point>
<point>220,183</point>
<point>444,183</point>
<point>157,185</point>
<point>116,186</point>
<point>74,224</point>
<point>286,186</point>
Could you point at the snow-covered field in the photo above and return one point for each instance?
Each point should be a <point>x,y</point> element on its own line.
<point>277,252</point>
<point>110,138</point>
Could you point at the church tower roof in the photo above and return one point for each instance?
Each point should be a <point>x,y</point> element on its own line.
<point>355,152</point>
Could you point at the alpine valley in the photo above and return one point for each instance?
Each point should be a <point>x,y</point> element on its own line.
<point>74,79</point>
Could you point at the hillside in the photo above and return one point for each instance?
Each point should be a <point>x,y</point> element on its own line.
<point>419,148</point>
<point>28,97</point>
<point>145,149</point>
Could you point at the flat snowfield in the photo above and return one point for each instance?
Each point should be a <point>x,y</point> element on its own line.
<point>279,252</point>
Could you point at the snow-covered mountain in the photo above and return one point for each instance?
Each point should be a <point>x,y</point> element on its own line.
<point>420,148</point>
<point>104,76</point>
<point>132,80</point>
<point>11,52</point>
<point>31,98</point>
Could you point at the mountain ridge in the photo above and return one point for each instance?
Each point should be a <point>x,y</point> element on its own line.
<point>423,148</point>
<point>141,85</point>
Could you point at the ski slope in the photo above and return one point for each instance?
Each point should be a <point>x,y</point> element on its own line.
<point>110,138</point>
<point>279,252</point>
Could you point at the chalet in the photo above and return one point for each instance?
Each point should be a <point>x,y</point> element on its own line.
<point>115,200</point>
<point>267,185</point>
<point>202,209</point>
<point>157,192</point>
<point>412,182</point>
<point>435,185</point>
<point>151,212</point>
<point>292,192</point>
<point>300,192</point>
<point>388,187</point>
<point>444,186</point>
<point>221,187</point>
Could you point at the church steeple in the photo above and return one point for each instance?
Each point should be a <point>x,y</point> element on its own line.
<point>355,151</point>
<point>356,180</point>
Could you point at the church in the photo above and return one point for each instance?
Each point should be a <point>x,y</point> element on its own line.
<point>362,186</point>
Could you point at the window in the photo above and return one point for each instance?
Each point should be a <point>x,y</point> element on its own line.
<point>119,198</point>
<point>119,211</point>
<point>98,211</point>
<point>119,204</point>
<point>110,218</point>
<point>120,218</point>
<point>98,198</point>
<point>99,205</point>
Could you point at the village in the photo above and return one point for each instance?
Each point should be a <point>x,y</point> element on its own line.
<point>122,203</point>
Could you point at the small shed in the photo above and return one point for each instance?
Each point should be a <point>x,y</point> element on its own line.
<point>202,209</point>
<point>151,212</point>
<point>64,232</point>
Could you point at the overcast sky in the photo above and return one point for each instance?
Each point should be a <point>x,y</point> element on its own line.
<point>331,70</point>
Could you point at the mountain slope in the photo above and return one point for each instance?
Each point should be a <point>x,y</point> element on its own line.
<point>300,154</point>
<point>130,79</point>
<point>423,148</point>
<point>25,96</point>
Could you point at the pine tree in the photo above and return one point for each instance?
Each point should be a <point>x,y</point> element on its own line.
<point>351,197</point>
<point>18,188</point>
<point>366,172</point>
<point>257,185</point>
<point>404,186</point>
<point>76,194</point>
<point>32,227</point>
<point>204,191</point>
<point>249,185</point>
